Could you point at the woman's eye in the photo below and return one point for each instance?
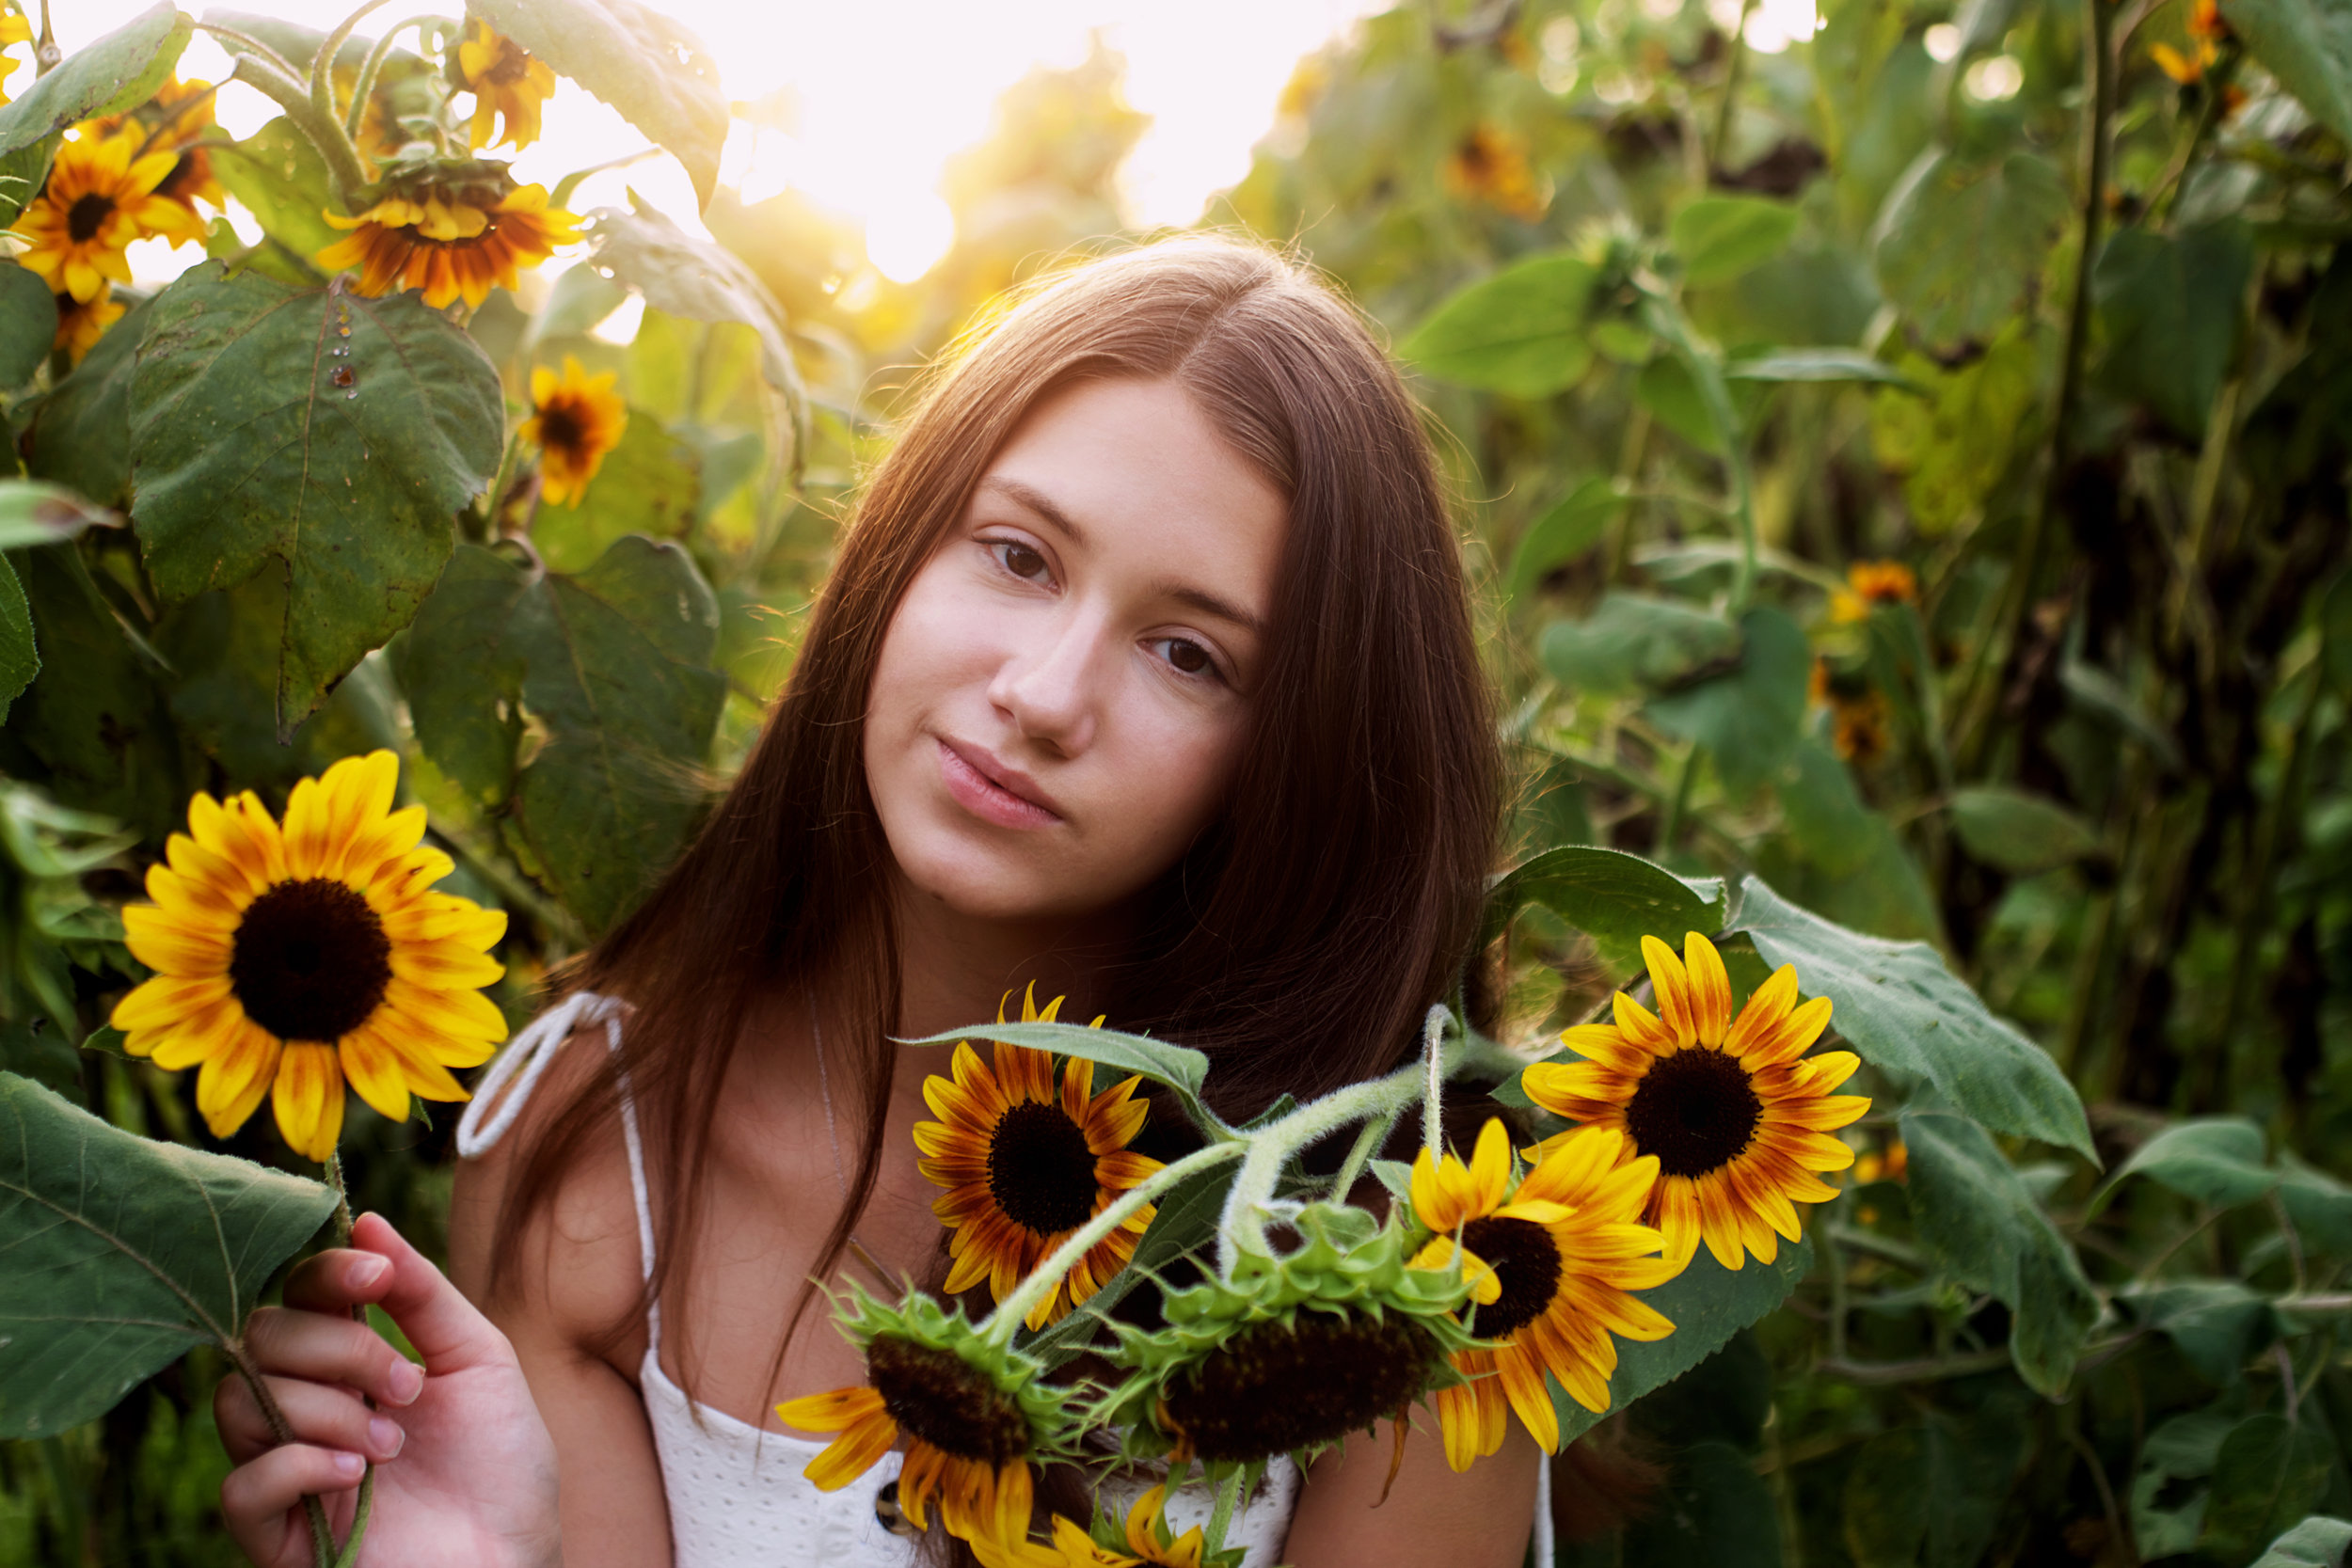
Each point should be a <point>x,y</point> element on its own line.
<point>1187,658</point>
<point>1020,560</point>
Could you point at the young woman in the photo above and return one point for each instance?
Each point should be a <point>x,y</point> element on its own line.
<point>1146,675</point>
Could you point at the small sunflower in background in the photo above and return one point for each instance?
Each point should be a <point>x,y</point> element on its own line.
<point>291,957</point>
<point>1869,584</point>
<point>575,419</point>
<point>100,197</point>
<point>974,1417</point>
<point>1149,1542</point>
<point>1737,1114</point>
<point>180,114</point>
<point>1025,1167</point>
<point>508,87</point>
<point>81,321</point>
<point>14,30</point>
<point>454,242</point>
<point>1490,165</point>
<point>1550,1261</point>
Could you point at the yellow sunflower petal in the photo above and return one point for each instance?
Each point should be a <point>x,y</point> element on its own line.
<point>1710,989</point>
<point>233,1081</point>
<point>1668,979</point>
<point>308,1097</point>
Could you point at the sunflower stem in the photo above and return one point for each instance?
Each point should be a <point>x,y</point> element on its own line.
<point>1014,1309</point>
<point>322,63</point>
<point>281,1433</point>
<point>342,1198</point>
<point>1376,1133</point>
<point>354,119</point>
<point>324,131</point>
<point>1433,1095</point>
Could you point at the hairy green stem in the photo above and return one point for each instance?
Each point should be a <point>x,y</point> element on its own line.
<point>1227,1498</point>
<point>322,63</point>
<point>1433,1087</point>
<point>323,130</point>
<point>1734,67</point>
<point>1666,321</point>
<point>281,1432</point>
<point>1374,1134</point>
<point>1014,1309</point>
<point>1676,803</point>
<point>355,117</point>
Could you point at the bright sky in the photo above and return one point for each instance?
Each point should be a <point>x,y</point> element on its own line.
<point>886,90</point>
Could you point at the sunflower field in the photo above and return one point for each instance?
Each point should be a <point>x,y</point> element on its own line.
<point>1905,467</point>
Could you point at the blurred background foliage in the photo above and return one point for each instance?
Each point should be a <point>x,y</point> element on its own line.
<point>1909,465</point>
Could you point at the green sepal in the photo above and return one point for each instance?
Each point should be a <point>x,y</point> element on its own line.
<point>1055,1412</point>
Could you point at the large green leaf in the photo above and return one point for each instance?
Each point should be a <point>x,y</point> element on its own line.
<point>20,659</point>
<point>1615,897</point>
<point>1899,1006</point>
<point>1958,243</point>
<point>1932,1494</point>
<point>1707,1304</point>
<point>1720,237</point>
<point>1824,812</point>
<point>1521,331</point>
<point>649,484</point>
<point>2320,1206</point>
<point>2318,1541</point>
<point>612,667</point>
<point>659,75</point>
<point>1571,526</point>
<point>2307,44</point>
<point>117,1254</point>
<point>29,324</point>
<point>2215,1160</point>
<point>2218,1325</point>
<point>1746,717</point>
<point>1979,1221</point>
<point>2018,831</point>
<point>1179,1068</point>
<point>283,181</point>
<point>81,435</point>
<point>118,72</point>
<point>2270,1474</point>
<point>1713,1509</point>
<point>1634,640</point>
<point>681,276</point>
<point>2170,307</point>
<point>328,438</point>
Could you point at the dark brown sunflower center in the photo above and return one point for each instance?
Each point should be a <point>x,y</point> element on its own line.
<point>1695,1110</point>
<point>1039,1170</point>
<point>559,428</point>
<point>936,1396</point>
<point>1526,1262</point>
<point>1274,1388</point>
<point>86,217</point>
<point>191,171</point>
<point>311,960</point>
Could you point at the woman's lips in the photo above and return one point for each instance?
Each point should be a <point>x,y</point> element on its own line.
<point>984,798</point>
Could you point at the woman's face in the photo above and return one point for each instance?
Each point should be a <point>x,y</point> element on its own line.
<point>1061,695</point>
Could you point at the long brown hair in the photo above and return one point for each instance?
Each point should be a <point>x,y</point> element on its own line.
<point>1300,938</point>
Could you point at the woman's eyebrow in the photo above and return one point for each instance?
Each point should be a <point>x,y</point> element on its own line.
<point>1038,502</point>
<point>1185,594</point>
<point>1209,604</point>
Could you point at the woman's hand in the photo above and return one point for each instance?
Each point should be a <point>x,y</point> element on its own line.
<point>466,1473</point>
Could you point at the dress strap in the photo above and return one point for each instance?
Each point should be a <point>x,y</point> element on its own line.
<point>523,1060</point>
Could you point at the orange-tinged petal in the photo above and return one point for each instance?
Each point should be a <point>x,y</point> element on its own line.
<point>1710,989</point>
<point>231,1083</point>
<point>1767,1005</point>
<point>1641,1026</point>
<point>308,1097</point>
<point>1672,985</point>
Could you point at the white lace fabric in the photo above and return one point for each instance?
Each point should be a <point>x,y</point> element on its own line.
<point>739,1495</point>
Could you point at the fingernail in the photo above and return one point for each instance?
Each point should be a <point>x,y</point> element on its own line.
<point>385,1437</point>
<point>367,1271</point>
<point>406,1382</point>
<point>349,1463</point>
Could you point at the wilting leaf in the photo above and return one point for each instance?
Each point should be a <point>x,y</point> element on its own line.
<point>613,665</point>
<point>1720,237</point>
<point>1521,331</point>
<point>117,1254</point>
<point>1958,243</point>
<point>1609,895</point>
<point>1746,717</point>
<point>1634,640</point>
<point>2017,832</point>
<point>1573,525</point>
<point>659,75</point>
<point>1899,1006</point>
<point>35,513</point>
<point>1981,1223</point>
<point>29,324</point>
<point>312,433</point>
<point>118,72</point>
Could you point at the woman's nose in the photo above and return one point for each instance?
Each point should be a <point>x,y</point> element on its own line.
<point>1050,690</point>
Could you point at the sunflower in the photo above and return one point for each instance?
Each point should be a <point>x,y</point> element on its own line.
<point>575,419</point>
<point>1291,1354</point>
<point>1490,165</point>
<point>1549,1266</point>
<point>1873,583</point>
<point>289,959</point>
<point>975,1415</point>
<point>81,321</point>
<point>14,30</point>
<point>454,242</point>
<point>507,85</point>
<point>1737,1116</point>
<point>101,196</point>
<point>1149,1540</point>
<point>1024,1167</point>
<point>182,113</point>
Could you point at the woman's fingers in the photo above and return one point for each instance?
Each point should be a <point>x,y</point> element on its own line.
<point>448,1330</point>
<point>337,1281</point>
<point>257,1498</point>
<point>324,1349</point>
<point>320,1416</point>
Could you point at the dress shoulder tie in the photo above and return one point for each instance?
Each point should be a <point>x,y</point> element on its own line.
<point>527,1056</point>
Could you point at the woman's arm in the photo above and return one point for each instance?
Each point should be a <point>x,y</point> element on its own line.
<point>583,1275</point>
<point>1433,1518</point>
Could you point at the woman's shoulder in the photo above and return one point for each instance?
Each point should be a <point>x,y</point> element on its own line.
<point>573,1264</point>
